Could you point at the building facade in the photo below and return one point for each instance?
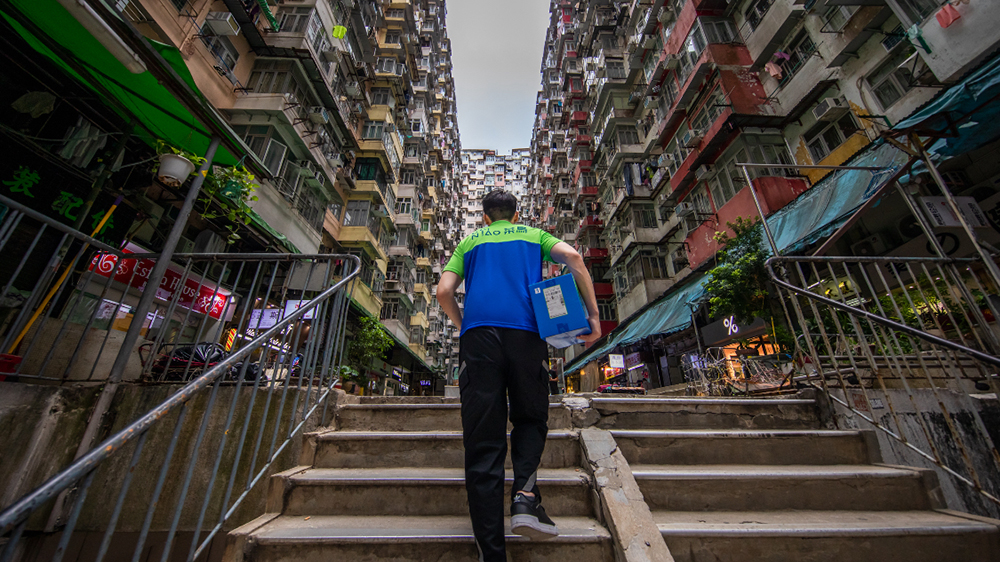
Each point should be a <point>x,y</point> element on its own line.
<point>646,107</point>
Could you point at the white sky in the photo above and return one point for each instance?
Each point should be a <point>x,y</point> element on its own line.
<point>496,55</point>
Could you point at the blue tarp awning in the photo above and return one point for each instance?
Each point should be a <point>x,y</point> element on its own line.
<point>818,212</point>
<point>963,117</point>
<point>670,314</point>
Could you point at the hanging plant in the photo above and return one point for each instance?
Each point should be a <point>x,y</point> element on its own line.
<point>175,164</point>
<point>233,189</point>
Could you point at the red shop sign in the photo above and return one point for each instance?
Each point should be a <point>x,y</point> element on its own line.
<point>195,294</point>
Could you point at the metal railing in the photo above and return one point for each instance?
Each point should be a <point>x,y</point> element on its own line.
<point>251,343</point>
<point>898,343</point>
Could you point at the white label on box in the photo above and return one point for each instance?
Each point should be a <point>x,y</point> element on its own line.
<point>555,302</point>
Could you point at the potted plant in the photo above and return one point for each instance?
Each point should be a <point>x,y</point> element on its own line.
<point>349,378</point>
<point>176,164</point>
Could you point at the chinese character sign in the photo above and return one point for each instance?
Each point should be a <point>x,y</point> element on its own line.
<point>195,293</point>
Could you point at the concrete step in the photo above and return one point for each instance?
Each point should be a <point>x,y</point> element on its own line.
<point>768,487</point>
<point>813,536</point>
<point>772,447</point>
<point>412,491</point>
<point>423,539</point>
<point>706,413</point>
<point>444,449</point>
<point>407,416</point>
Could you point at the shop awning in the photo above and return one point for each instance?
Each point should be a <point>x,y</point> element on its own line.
<point>818,212</point>
<point>964,116</point>
<point>140,95</point>
<point>669,314</point>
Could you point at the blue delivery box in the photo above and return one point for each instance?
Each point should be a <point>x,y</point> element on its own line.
<point>559,311</point>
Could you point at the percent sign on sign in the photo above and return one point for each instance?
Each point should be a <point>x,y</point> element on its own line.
<point>730,324</point>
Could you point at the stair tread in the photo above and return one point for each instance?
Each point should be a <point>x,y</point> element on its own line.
<point>816,523</point>
<point>415,406</point>
<point>733,433</point>
<point>423,475</point>
<point>714,401</point>
<point>335,435</point>
<point>757,471</point>
<point>349,528</point>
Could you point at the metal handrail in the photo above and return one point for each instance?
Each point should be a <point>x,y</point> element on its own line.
<point>81,472</point>
<point>930,338</point>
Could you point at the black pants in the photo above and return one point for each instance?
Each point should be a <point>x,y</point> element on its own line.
<point>498,364</point>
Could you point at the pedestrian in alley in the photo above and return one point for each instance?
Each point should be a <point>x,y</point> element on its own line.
<point>553,382</point>
<point>503,359</point>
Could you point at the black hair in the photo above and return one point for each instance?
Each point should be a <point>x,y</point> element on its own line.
<point>499,205</point>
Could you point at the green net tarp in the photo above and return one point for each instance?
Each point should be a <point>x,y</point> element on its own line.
<point>140,95</point>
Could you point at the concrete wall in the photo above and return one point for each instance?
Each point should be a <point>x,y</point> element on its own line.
<point>44,424</point>
<point>964,410</point>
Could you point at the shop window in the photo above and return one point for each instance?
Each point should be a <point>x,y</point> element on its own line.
<point>892,79</point>
<point>825,137</point>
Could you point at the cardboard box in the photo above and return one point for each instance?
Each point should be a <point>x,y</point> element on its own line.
<point>559,311</point>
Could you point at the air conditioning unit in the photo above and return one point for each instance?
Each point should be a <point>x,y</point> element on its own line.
<point>684,209</point>
<point>692,138</point>
<point>648,41</point>
<point>665,14</point>
<point>331,55</point>
<point>318,115</point>
<point>306,168</point>
<point>704,171</point>
<point>831,109</point>
<point>671,61</point>
<point>380,211</point>
<point>870,246</point>
<point>665,160</point>
<point>222,23</point>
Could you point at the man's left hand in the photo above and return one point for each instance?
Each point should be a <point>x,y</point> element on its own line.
<point>595,331</point>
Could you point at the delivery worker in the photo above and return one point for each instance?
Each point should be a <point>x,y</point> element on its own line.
<point>501,359</point>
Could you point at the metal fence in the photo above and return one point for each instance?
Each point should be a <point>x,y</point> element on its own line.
<point>251,344</point>
<point>896,342</point>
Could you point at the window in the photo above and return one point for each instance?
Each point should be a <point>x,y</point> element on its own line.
<point>425,225</point>
<point>628,135</point>
<point>373,130</point>
<point>616,70</point>
<point>892,79</point>
<point>404,205</point>
<point>654,265</point>
<point>336,209</point>
<point>295,20</point>
<point>392,37</point>
<point>825,137</point>
<point>699,198</point>
<point>417,335</point>
<point>916,11</point>
<point>607,311</point>
<point>798,50</point>
<point>644,216</point>
<point>387,66</point>
<point>408,177</point>
<point>393,309</point>
<point>835,18</point>
<point>755,12</point>
<point>380,96</point>
<point>357,213</point>
<point>222,48</point>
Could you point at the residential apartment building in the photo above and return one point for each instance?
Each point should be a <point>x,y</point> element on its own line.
<point>345,112</point>
<point>486,170</point>
<point>646,107</point>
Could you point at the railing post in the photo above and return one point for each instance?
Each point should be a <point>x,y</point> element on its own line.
<point>138,318</point>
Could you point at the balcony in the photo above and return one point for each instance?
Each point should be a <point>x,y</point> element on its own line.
<point>765,33</point>
<point>595,253</point>
<point>603,289</point>
<point>361,236</point>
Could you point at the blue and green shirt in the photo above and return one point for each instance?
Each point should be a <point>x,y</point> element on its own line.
<point>498,263</point>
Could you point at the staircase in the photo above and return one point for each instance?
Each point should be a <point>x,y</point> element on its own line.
<point>723,479</point>
<point>387,484</point>
<point>742,479</point>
